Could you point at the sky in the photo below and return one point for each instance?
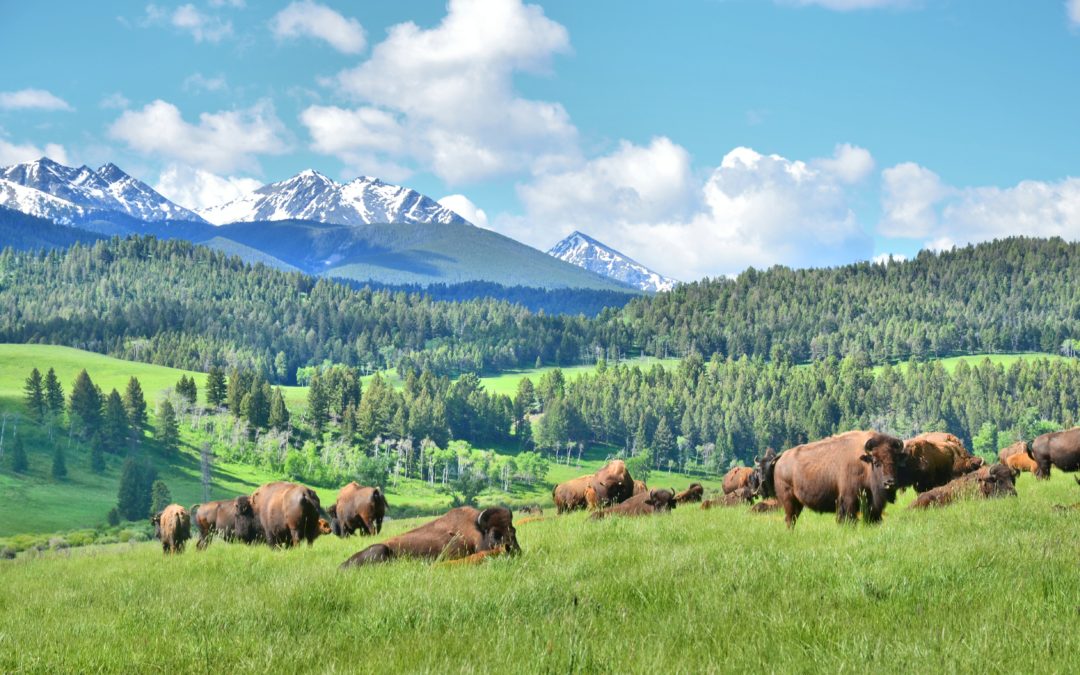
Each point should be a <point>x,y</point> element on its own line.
<point>699,137</point>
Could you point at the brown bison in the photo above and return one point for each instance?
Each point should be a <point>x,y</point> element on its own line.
<point>173,527</point>
<point>611,484</point>
<point>740,476</point>
<point>766,506</point>
<point>694,493</point>
<point>1020,462</point>
<point>1017,448</point>
<point>987,482</point>
<point>653,501</point>
<point>288,513</point>
<point>934,459</point>
<point>220,517</point>
<point>834,474</point>
<point>1060,449</point>
<point>737,498</point>
<point>531,509</point>
<point>763,483</point>
<point>358,509</point>
<point>460,533</point>
<point>639,487</point>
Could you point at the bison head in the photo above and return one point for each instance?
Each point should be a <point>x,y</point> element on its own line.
<point>496,527</point>
<point>324,526</point>
<point>1000,481</point>
<point>246,526</point>
<point>888,451</point>
<point>763,473</point>
<point>613,483</point>
<point>661,499</point>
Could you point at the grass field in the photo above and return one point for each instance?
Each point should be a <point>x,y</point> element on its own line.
<point>1005,360</point>
<point>977,587</point>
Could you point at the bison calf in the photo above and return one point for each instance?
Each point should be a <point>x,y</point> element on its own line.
<point>654,501</point>
<point>358,509</point>
<point>739,497</point>
<point>460,533</point>
<point>694,493</point>
<point>173,527</point>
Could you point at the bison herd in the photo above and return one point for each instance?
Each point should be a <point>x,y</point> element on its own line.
<point>858,472</point>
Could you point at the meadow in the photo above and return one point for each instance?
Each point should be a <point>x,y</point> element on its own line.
<point>987,586</point>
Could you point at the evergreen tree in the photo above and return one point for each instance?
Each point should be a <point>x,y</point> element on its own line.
<point>187,389</point>
<point>160,497</point>
<point>279,414</point>
<point>134,494</point>
<point>216,387</point>
<point>258,404</point>
<point>97,455</point>
<point>54,394</point>
<point>35,396</point>
<point>19,463</point>
<point>59,464</point>
<point>113,517</point>
<point>135,404</point>
<point>238,386</point>
<point>114,428</point>
<point>85,406</point>
<point>663,445</point>
<point>168,428</point>
<point>318,403</point>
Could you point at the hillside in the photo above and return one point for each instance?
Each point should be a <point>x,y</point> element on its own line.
<point>693,591</point>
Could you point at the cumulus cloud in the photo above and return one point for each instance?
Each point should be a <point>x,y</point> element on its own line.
<point>449,90</point>
<point>17,153</point>
<point>849,5</point>
<point>917,204</point>
<point>32,99</point>
<point>464,207</point>
<point>310,19</point>
<point>198,189</point>
<point>220,142</point>
<point>188,18</point>
<point>752,210</point>
<point>200,82</point>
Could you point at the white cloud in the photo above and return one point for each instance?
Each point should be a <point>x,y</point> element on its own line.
<point>198,189</point>
<point>450,90</point>
<point>203,27</point>
<point>17,153</point>
<point>885,258</point>
<point>848,5</point>
<point>32,99</point>
<point>464,207</point>
<point>114,101</point>
<point>228,3</point>
<point>917,204</point>
<point>1072,10</point>
<point>753,210</point>
<point>310,19</point>
<point>222,141</point>
<point>200,82</point>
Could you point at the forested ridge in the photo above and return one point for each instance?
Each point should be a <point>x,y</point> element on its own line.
<point>174,303</point>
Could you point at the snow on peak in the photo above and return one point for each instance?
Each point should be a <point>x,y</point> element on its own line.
<point>582,250</point>
<point>309,195</point>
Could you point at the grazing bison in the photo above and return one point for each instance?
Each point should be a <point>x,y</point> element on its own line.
<point>740,476</point>
<point>461,533</point>
<point>220,518</point>
<point>173,527</point>
<point>358,509</point>
<point>1060,449</point>
<point>988,482</point>
<point>1021,462</point>
<point>639,487</point>
<point>766,506</point>
<point>653,501</point>
<point>288,513</point>
<point>834,474</point>
<point>694,493</point>
<point>743,495</point>
<point>610,485</point>
<point>532,510</point>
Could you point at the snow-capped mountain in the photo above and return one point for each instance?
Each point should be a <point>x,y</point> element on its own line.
<point>69,195</point>
<point>584,251</point>
<point>312,196</point>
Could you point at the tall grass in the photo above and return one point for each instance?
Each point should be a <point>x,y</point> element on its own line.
<point>980,586</point>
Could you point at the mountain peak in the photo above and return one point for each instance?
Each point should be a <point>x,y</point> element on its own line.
<point>584,251</point>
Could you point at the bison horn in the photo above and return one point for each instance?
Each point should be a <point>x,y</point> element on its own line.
<point>484,518</point>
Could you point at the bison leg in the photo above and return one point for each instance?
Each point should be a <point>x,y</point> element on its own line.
<point>792,509</point>
<point>1042,469</point>
<point>847,508</point>
<point>376,553</point>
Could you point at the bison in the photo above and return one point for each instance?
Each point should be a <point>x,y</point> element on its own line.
<point>763,483</point>
<point>639,487</point>
<point>1020,462</point>
<point>1017,448</point>
<point>694,493</point>
<point>460,533</point>
<point>740,476</point>
<point>172,525</point>
<point>288,513</point>
<point>739,497</point>
<point>834,474</point>
<point>1060,449</point>
<point>532,510</point>
<point>610,485</point>
<point>934,459</point>
<point>987,482</point>
<point>653,501</point>
<point>220,517</point>
<point>358,509</point>
<point>766,506</point>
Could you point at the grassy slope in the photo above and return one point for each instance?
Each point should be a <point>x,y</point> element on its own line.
<point>1005,360</point>
<point>980,586</point>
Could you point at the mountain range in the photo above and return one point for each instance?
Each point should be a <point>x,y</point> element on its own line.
<point>362,230</point>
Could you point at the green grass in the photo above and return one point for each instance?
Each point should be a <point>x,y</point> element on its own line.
<point>977,587</point>
<point>1005,360</point>
<point>507,382</point>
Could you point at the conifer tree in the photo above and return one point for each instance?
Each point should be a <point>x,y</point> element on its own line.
<point>59,464</point>
<point>85,406</point>
<point>160,497</point>
<point>35,396</point>
<point>168,428</point>
<point>135,403</point>
<point>114,428</point>
<point>279,414</point>
<point>54,394</point>
<point>216,387</point>
<point>19,463</point>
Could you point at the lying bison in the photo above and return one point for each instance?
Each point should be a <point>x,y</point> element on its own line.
<point>639,487</point>
<point>739,497</point>
<point>173,527</point>
<point>221,518</point>
<point>766,506</point>
<point>1060,449</point>
<point>287,513</point>
<point>835,474</point>
<point>358,509</point>
<point>462,532</point>
<point>694,493</point>
<point>934,459</point>
<point>739,477</point>
<point>610,485</point>
<point>653,501</point>
<point>988,482</point>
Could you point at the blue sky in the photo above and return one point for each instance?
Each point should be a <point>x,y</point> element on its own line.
<point>698,136</point>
